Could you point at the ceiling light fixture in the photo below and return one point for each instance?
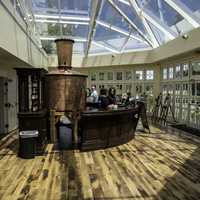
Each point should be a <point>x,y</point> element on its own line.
<point>185,36</point>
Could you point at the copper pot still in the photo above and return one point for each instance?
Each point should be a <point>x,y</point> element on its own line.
<point>65,87</point>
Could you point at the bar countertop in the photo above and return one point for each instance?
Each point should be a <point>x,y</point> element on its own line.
<point>99,112</point>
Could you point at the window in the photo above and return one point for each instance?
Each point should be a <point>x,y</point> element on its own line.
<point>101,76</point>
<point>101,86</point>
<point>119,76</point>
<point>185,70</point>
<point>149,88</point>
<point>185,89</point>
<point>178,89</point>
<point>178,71</point>
<point>149,75</point>
<point>164,73</point>
<point>128,88</point>
<point>171,73</point>
<point>119,87</point>
<point>198,89</point>
<point>193,89</point>
<point>128,76</point>
<point>196,68</point>
<point>138,88</point>
<point>139,75</point>
<point>110,76</point>
<point>93,77</point>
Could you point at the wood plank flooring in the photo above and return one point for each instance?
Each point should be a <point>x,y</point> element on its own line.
<point>163,165</point>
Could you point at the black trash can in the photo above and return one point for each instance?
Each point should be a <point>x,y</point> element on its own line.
<point>27,144</point>
<point>65,136</point>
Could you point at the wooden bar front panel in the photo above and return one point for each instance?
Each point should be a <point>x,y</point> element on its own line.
<point>107,128</point>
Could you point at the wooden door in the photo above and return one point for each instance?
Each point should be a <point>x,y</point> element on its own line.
<point>3,107</point>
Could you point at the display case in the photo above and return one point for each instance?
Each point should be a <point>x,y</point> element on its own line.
<point>32,113</point>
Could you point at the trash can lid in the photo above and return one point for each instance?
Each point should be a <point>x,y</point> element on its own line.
<point>65,120</point>
<point>28,134</point>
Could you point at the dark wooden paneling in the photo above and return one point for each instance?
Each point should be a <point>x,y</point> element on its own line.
<point>104,129</point>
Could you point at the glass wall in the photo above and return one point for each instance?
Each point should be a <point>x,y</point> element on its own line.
<point>185,91</point>
<point>133,81</point>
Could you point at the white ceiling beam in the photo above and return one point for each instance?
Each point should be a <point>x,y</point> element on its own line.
<point>146,25</point>
<point>80,18</point>
<point>96,5</point>
<point>76,39</point>
<point>124,45</point>
<point>162,27</point>
<point>56,10</point>
<point>183,11</point>
<point>158,24</point>
<point>130,22</point>
<point>119,30</point>
<point>105,47</point>
<point>61,22</point>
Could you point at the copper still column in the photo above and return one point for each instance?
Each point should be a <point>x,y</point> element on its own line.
<point>64,52</point>
<point>65,87</point>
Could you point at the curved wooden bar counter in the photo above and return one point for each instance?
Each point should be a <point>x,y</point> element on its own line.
<point>102,129</point>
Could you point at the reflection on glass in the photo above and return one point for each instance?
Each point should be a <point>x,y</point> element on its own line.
<point>185,89</point>
<point>101,86</point>
<point>178,89</point>
<point>128,76</point>
<point>54,29</point>
<point>196,68</point>
<point>93,77</point>
<point>110,76</point>
<point>128,88</point>
<point>119,76</point>
<point>193,89</point>
<point>178,71</point>
<point>185,70</point>
<point>198,89</point>
<point>149,75</point>
<point>171,73</point>
<point>138,89</point>
<point>164,73</point>
<point>101,76</point>
<point>139,75</point>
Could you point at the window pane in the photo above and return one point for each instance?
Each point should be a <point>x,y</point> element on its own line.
<point>149,74</point>
<point>193,89</point>
<point>128,76</point>
<point>171,73</point>
<point>128,88</point>
<point>196,68</point>
<point>93,77</point>
<point>185,70</point>
<point>101,76</point>
<point>178,71</point>
<point>110,76</point>
<point>139,75</point>
<point>119,76</point>
<point>198,89</point>
<point>165,73</point>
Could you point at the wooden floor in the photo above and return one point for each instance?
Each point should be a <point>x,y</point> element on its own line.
<point>160,165</point>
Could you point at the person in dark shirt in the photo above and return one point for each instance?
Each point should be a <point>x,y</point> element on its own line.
<point>111,95</point>
<point>103,99</point>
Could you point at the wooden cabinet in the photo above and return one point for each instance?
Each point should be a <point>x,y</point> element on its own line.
<point>32,113</point>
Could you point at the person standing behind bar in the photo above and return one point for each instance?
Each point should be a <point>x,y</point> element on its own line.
<point>94,94</point>
<point>103,99</point>
<point>111,95</point>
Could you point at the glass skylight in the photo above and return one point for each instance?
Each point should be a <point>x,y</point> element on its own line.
<point>112,26</point>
